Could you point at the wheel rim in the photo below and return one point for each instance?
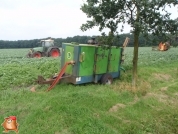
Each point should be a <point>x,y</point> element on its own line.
<point>55,53</point>
<point>108,82</point>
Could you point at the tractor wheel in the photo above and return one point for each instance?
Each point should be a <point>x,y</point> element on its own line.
<point>36,55</point>
<point>54,53</point>
<point>106,79</point>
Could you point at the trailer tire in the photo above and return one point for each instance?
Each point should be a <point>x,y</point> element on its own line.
<point>36,55</point>
<point>54,52</point>
<point>106,79</point>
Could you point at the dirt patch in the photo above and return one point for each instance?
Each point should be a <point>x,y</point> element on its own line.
<point>126,121</point>
<point>164,89</point>
<point>33,89</point>
<point>161,97</point>
<point>116,107</point>
<point>176,94</point>
<point>162,77</point>
<point>64,131</point>
<point>122,86</point>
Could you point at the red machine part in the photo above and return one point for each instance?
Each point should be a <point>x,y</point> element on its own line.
<point>60,74</point>
<point>164,46</point>
<point>54,52</point>
<point>37,55</point>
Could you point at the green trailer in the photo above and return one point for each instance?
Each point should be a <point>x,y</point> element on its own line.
<point>84,63</point>
<point>91,62</point>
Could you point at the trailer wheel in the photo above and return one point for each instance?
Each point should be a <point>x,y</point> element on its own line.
<point>106,79</point>
<point>36,55</point>
<point>54,52</point>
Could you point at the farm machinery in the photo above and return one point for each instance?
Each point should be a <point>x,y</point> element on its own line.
<point>85,63</point>
<point>162,47</point>
<point>46,49</point>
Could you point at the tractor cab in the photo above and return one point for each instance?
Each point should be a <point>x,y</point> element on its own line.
<point>47,43</point>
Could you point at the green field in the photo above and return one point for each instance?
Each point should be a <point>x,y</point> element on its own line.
<point>152,108</point>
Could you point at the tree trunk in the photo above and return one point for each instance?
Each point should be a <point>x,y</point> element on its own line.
<point>135,60</point>
<point>135,54</point>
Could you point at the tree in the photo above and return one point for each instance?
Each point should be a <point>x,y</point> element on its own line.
<point>144,17</point>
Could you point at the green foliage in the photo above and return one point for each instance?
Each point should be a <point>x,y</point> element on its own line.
<point>17,70</point>
<point>143,16</point>
<point>35,42</point>
<point>149,40</point>
<point>91,108</point>
<point>147,57</point>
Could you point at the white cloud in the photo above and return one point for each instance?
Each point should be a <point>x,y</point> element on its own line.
<point>40,18</point>
<point>34,19</point>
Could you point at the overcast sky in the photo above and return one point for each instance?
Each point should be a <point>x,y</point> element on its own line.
<point>36,19</point>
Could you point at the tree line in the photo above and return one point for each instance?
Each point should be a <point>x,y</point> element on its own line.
<point>118,41</point>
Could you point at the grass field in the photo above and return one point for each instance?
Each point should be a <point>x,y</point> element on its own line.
<point>152,108</point>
